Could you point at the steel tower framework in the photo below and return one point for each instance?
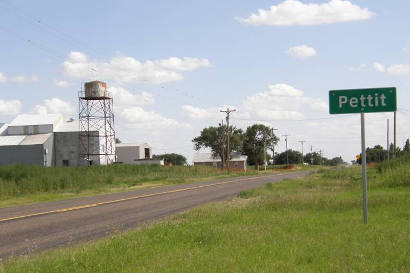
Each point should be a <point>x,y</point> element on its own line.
<point>97,134</point>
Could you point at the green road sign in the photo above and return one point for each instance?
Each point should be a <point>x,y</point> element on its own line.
<point>362,100</point>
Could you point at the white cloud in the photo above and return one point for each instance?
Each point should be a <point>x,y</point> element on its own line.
<point>2,78</point>
<point>379,67</point>
<point>399,69</point>
<point>62,84</point>
<point>77,57</point>
<point>123,97</point>
<point>318,105</point>
<point>358,68</point>
<point>130,70</point>
<point>54,106</point>
<point>294,12</point>
<point>185,64</point>
<point>137,117</point>
<point>34,78</point>
<point>279,102</point>
<point>18,78</point>
<point>10,107</point>
<point>301,51</point>
<point>201,113</point>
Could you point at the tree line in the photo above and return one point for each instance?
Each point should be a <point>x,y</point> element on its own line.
<point>254,142</point>
<point>379,154</point>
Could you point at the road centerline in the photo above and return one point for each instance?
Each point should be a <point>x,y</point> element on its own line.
<point>92,205</point>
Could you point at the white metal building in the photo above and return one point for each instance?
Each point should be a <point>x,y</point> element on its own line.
<point>135,153</point>
<point>237,161</point>
<point>45,140</point>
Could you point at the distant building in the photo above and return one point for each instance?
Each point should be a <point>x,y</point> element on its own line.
<point>136,154</point>
<point>44,140</point>
<point>237,162</point>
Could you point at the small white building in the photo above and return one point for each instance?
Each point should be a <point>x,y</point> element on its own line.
<point>237,161</point>
<point>136,154</point>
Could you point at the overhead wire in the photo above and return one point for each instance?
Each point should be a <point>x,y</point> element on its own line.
<point>67,38</point>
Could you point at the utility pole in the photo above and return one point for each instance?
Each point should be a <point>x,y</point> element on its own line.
<point>395,131</point>
<point>321,158</point>
<point>287,157</point>
<point>222,144</point>
<point>228,153</point>
<point>264,154</point>
<point>388,142</point>
<point>311,154</point>
<point>273,148</point>
<point>301,142</point>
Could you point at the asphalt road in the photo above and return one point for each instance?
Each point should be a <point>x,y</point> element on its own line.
<point>33,228</point>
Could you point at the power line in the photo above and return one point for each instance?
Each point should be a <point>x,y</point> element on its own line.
<point>67,38</point>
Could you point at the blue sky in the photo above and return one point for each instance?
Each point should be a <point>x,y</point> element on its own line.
<point>48,48</point>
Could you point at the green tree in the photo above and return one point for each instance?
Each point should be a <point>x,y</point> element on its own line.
<point>174,159</point>
<point>215,138</point>
<point>375,154</point>
<point>406,148</point>
<point>256,140</point>
<point>335,161</point>
<point>294,157</point>
<point>313,158</point>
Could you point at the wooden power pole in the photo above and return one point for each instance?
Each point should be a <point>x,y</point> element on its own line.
<point>228,135</point>
<point>302,142</point>
<point>287,157</point>
<point>222,144</point>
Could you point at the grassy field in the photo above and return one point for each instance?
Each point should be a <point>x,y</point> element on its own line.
<point>313,224</point>
<point>22,184</point>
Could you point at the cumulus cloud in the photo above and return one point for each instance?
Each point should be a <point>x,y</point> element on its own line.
<point>2,78</point>
<point>10,107</point>
<point>399,69</point>
<point>294,12</point>
<point>279,102</point>
<point>358,68</point>
<point>18,78</point>
<point>200,113</point>
<point>34,78</point>
<point>210,113</point>
<point>301,51</point>
<point>62,84</point>
<point>379,67</point>
<point>130,70</point>
<point>137,117</point>
<point>54,106</point>
<point>124,98</point>
<point>394,69</point>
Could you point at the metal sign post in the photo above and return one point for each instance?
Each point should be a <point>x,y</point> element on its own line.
<point>364,167</point>
<point>363,101</point>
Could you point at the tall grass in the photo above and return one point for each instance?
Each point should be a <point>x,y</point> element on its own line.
<point>312,224</point>
<point>20,180</point>
<point>394,173</point>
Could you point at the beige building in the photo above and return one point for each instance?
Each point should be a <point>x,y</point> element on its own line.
<point>237,162</point>
<point>136,154</point>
